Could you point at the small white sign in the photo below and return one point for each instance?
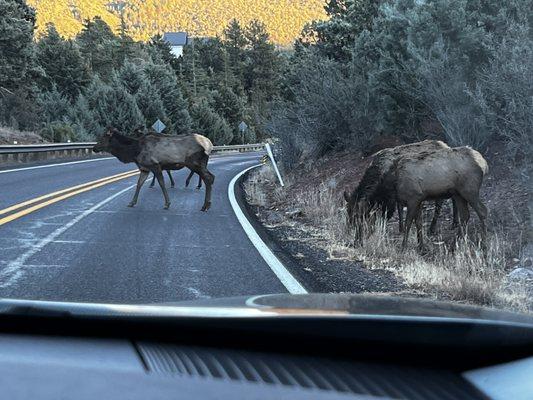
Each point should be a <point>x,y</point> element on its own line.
<point>243,126</point>
<point>159,126</point>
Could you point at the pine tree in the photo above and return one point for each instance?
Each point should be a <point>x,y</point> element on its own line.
<point>149,102</point>
<point>261,67</point>
<point>122,110</point>
<point>230,106</point>
<point>17,22</point>
<point>54,105</point>
<point>207,122</point>
<point>96,97</point>
<point>194,76</point>
<point>83,120</point>
<point>235,43</point>
<point>211,56</point>
<point>164,80</point>
<point>178,113</point>
<point>99,44</point>
<point>62,63</point>
<point>126,45</point>
<point>131,76</point>
<point>160,50</point>
<point>335,35</point>
<point>17,64</point>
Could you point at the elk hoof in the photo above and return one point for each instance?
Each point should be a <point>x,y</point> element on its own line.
<point>206,207</point>
<point>166,206</point>
<point>131,205</point>
<point>198,187</point>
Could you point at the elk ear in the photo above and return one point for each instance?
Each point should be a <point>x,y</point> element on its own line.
<point>346,196</point>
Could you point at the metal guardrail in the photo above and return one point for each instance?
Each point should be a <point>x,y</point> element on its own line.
<point>40,148</point>
<point>51,147</point>
<point>41,152</point>
<point>240,147</point>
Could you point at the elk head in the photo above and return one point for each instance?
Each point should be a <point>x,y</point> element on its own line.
<point>104,142</point>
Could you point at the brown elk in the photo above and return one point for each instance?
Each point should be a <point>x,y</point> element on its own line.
<point>140,132</point>
<point>375,194</point>
<point>156,153</point>
<point>445,173</point>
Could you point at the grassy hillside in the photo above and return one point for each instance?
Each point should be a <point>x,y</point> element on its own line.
<point>144,18</point>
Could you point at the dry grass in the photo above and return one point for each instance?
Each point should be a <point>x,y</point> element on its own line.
<point>460,271</point>
<point>257,192</point>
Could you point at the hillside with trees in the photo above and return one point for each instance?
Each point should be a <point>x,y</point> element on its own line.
<point>146,18</point>
<point>73,88</point>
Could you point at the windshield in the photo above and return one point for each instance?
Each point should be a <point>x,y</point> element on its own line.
<point>180,151</point>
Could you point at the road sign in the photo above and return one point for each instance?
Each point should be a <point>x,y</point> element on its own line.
<point>159,126</point>
<point>243,126</point>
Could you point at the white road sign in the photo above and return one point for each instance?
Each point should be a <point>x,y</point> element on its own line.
<point>159,126</point>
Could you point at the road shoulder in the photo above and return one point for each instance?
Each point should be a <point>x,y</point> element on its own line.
<point>311,265</point>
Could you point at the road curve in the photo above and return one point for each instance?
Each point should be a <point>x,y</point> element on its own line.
<point>92,248</point>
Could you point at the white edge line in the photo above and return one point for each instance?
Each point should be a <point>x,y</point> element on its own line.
<point>13,271</point>
<point>286,278</point>
<point>55,165</point>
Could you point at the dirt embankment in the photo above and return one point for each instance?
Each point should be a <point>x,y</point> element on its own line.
<point>308,220</point>
<point>11,136</point>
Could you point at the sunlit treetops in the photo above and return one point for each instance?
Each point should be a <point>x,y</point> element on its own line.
<point>145,18</point>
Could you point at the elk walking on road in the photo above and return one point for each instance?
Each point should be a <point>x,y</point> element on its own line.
<point>156,153</point>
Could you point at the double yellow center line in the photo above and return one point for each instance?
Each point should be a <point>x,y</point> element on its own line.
<point>51,198</point>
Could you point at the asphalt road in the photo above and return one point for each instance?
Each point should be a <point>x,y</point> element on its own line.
<point>92,248</point>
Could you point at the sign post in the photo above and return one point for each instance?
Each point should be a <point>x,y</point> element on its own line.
<point>242,128</point>
<point>271,155</point>
<point>158,126</point>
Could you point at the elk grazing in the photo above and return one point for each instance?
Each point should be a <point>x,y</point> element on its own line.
<point>445,173</point>
<point>156,153</point>
<point>372,192</point>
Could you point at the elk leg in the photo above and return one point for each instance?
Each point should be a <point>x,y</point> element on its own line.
<point>204,164</point>
<point>140,183</point>
<point>189,179</point>
<point>481,212</point>
<point>455,214</point>
<point>170,177</point>
<point>412,212</point>
<point>199,182</point>
<point>400,216</point>
<point>161,182</point>
<point>436,215</point>
<point>419,231</point>
<point>153,181</point>
<point>208,179</point>
<point>463,214</point>
<point>473,199</point>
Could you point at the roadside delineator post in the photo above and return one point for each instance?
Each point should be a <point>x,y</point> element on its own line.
<point>271,155</point>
